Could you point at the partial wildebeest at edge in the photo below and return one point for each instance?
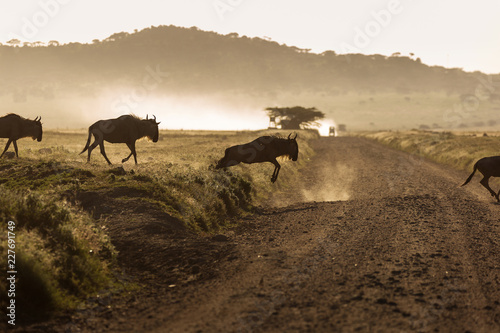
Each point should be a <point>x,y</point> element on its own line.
<point>124,129</point>
<point>489,167</point>
<point>15,127</point>
<point>263,149</point>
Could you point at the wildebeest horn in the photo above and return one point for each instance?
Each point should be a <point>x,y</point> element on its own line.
<point>295,137</point>
<point>146,117</point>
<point>154,117</point>
<point>36,119</point>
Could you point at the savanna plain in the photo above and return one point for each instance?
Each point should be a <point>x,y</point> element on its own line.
<point>368,232</point>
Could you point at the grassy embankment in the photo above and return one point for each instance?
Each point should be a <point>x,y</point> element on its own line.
<point>460,150</point>
<point>64,255</point>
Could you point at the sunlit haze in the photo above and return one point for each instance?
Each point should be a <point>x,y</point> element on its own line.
<point>199,115</point>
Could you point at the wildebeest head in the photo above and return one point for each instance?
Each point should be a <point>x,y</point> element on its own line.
<point>35,129</point>
<point>293,147</point>
<point>152,128</point>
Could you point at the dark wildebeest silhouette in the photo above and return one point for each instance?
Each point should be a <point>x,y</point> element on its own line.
<point>489,167</point>
<point>124,129</point>
<point>15,127</point>
<point>263,149</point>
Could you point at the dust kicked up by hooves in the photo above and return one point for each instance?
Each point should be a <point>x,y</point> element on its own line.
<point>335,185</point>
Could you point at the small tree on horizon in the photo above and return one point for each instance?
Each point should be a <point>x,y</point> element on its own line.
<point>296,117</point>
<point>14,42</point>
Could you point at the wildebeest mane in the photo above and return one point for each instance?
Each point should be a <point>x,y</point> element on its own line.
<point>130,115</point>
<point>277,139</point>
<point>14,116</point>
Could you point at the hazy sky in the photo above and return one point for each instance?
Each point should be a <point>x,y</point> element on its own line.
<point>451,33</point>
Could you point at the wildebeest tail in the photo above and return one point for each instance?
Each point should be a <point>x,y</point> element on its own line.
<point>471,175</point>
<point>88,143</point>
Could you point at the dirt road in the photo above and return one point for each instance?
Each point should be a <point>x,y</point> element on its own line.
<point>369,240</point>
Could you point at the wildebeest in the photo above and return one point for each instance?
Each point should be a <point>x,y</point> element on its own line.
<point>489,167</point>
<point>15,127</point>
<point>124,129</point>
<point>263,149</point>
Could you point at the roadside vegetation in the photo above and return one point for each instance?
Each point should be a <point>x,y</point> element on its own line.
<point>63,253</point>
<point>460,150</point>
<point>61,257</point>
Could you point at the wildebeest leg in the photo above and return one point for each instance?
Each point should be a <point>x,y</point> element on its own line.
<point>126,158</point>
<point>92,146</point>
<point>484,182</point>
<point>229,163</point>
<point>6,147</point>
<point>227,160</point>
<point>131,146</point>
<point>15,147</point>
<point>103,152</point>
<point>277,168</point>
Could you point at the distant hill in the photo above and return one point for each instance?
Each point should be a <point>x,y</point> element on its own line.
<point>200,60</point>
<point>189,61</point>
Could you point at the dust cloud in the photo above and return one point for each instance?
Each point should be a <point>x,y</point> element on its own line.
<point>189,112</point>
<point>335,184</point>
<point>205,114</point>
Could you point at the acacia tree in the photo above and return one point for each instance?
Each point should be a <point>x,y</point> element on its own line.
<point>14,42</point>
<point>296,117</point>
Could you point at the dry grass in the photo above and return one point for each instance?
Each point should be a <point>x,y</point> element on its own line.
<point>460,150</point>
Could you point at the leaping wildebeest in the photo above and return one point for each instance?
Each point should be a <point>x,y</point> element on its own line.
<point>263,149</point>
<point>124,129</point>
<point>15,127</point>
<point>489,167</point>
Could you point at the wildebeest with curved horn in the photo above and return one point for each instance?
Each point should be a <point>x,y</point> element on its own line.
<point>489,167</point>
<point>124,129</point>
<point>15,127</point>
<point>263,149</point>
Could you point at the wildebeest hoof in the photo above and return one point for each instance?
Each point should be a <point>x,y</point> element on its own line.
<point>124,160</point>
